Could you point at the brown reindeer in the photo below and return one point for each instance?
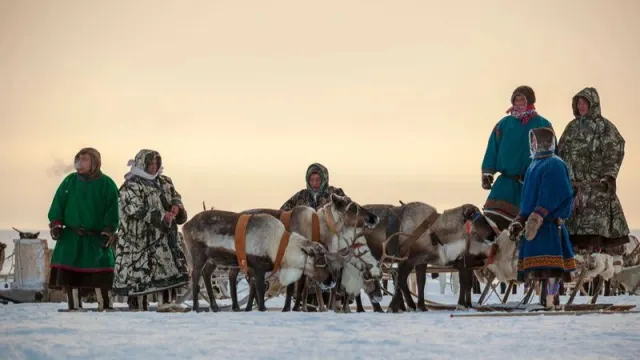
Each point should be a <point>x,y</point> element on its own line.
<point>393,220</point>
<point>453,238</point>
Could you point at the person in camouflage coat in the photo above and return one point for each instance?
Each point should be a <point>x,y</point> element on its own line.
<point>149,258</point>
<point>593,149</point>
<point>316,194</point>
<point>318,191</point>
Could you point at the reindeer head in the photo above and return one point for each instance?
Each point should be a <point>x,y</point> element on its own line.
<point>322,266</point>
<point>480,226</point>
<point>361,266</point>
<point>352,213</point>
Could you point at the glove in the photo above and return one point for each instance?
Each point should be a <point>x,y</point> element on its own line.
<point>55,229</point>
<point>608,184</point>
<point>532,225</point>
<point>515,229</point>
<point>487,181</point>
<point>107,237</point>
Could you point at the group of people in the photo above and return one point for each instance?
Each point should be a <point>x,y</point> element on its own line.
<point>556,196</point>
<point>125,241</point>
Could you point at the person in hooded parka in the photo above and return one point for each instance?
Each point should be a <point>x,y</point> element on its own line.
<point>593,149</point>
<point>317,192</point>
<point>149,258</point>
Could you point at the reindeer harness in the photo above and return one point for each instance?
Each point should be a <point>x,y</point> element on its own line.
<point>285,218</point>
<point>240,238</point>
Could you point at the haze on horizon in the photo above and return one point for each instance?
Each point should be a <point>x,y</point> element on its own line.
<point>396,98</point>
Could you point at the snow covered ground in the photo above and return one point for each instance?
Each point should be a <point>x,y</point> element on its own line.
<point>38,331</point>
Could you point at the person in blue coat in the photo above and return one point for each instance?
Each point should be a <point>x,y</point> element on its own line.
<point>545,252</point>
<point>507,153</point>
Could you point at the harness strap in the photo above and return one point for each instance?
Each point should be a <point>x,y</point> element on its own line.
<point>284,241</point>
<point>285,218</point>
<point>417,233</point>
<point>240,238</point>
<point>315,227</point>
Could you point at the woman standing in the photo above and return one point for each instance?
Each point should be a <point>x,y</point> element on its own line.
<point>149,258</point>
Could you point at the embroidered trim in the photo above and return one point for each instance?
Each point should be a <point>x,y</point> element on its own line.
<point>504,207</point>
<point>546,261</point>
<point>81,270</point>
<point>541,211</point>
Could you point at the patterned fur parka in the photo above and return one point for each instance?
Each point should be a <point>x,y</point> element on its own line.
<point>149,257</point>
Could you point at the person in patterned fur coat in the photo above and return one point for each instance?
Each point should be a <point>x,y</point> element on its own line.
<point>149,258</point>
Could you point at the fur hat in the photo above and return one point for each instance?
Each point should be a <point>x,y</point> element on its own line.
<point>525,91</point>
<point>96,159</point>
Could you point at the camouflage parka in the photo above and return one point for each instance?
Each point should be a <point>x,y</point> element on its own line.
<point>308,196</point>
<point>593,149</point>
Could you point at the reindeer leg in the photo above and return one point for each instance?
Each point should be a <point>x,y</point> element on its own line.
<point>320,299</point>
<point>345,303</point>
<point>299,287</point>
<point>359,307</point>
<point>421,279</point>
<point>207,273</point>
<point>233,288</point>
<point>397,302</point>
<point>198,261</point>
<point>252,293</point>
<point>289,295</point>
<point>260,285</point>
<point>598,287</point>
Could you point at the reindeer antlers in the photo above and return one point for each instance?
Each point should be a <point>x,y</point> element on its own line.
<point>205,207</point>
<point>384,249</point>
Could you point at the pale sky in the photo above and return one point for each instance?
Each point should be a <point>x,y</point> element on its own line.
<point>397,98</point>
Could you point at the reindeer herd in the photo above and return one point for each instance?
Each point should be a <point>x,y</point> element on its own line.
<point>341,247</point>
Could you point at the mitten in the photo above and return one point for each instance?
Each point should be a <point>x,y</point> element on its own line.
<point>487,181</point>
<point>55,229</point>
<point>532,225</point>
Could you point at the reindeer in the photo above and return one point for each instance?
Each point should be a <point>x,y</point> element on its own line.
<point>393,220</point>
<point>454,238</point>
<point>505,265</point>
<point>339,224</point>
<point>257,244</point>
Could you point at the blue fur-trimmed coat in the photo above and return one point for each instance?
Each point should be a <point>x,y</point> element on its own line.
<point>547,191</point>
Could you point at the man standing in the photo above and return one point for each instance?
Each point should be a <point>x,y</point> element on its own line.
<point>593,149</point>
<point>508,153</point>
<point>82,219</point>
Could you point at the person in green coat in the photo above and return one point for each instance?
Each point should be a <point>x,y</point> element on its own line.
<point>508,153</point>
<point>82,219</point>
